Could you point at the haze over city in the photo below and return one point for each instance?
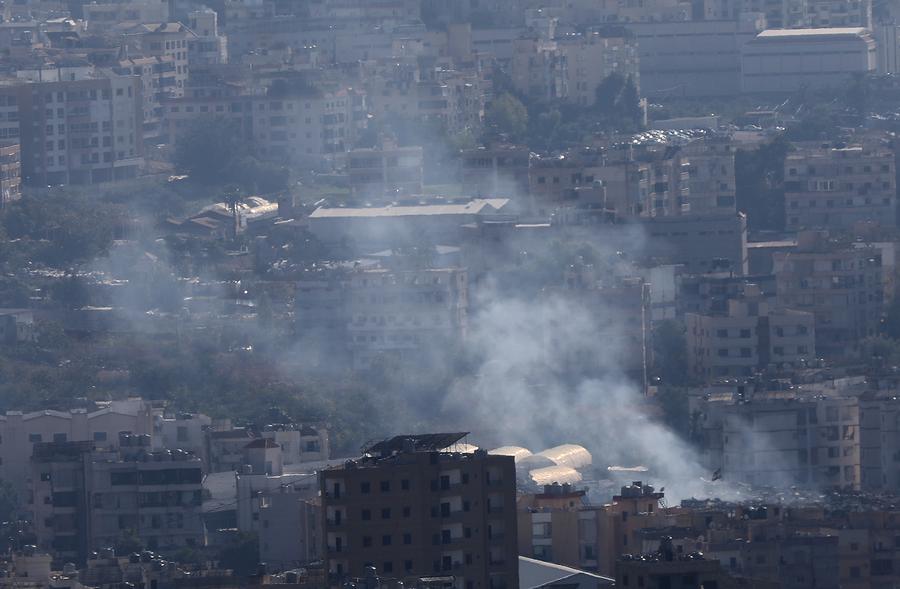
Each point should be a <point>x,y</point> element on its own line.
<point>449,294</point>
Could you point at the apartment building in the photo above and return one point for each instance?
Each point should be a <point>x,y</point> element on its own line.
<point>313,129</point>
<point>19,432</point>
<point>413,508</point>
<point>10,172</point>
<point>498,170</point>
<point>711,175</point>
<point>401,313</point>
<point>166,40</point>
<point>153,495</point>
<point>591,58</point>
<point>79,131</point>
<point>839,284</point>
<point>785,60</point>
<point>749,337</point>
<point>385,172</point>
<point>559,525</point>
<point>82,499</point>
<point>299,443</point>
<point>102,16</point>
<point>158,82</point>
<point>539,69</point>
<point>208,47</point>
<point>839,187</point>
<point>840,13</point>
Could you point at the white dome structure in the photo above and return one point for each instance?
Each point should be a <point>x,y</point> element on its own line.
<point>571,455</point>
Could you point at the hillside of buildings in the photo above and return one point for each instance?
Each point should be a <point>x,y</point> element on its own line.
<point>471,294</point>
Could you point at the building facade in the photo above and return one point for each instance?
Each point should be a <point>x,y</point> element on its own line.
<point>411,509</point>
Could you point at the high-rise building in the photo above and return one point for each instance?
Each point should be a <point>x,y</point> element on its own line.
<point>82,499</point>
<point>413,508</point>
<point>840,284</point>
<point>83,130</point>
<point>835,188</point>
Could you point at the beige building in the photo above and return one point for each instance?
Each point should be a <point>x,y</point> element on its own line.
<point>839,284</point>
<point>836,188</point>
<point>711,175</point>
<point>19,432</point>
<point>590,58</point>
<point>749,337</point>
<point>166,40</point>
<point>560,526</point>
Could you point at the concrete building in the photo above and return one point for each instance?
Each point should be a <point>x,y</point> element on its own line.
<point>166,40</point>
<point>837,188</point>
<point>711,175</point>
<point>80,131</point>
<point>840,13</point>
<point>299,443</point>
<point>412,508</point>
<point>438,221</point>
<point>154,496</point>
<point>784,61</point>
<point>158,82</point>
<point>314,129</point>
<point>592,57</point>
<point>748,338</point>
<point>102,16</point>
<point>82,500</point>
<point>400,314</point>
<point>10,172</point>
<point>539,69</point>
<point>282,515</point>
<point>385,172</point>
<point>208,47</point>
<point>695,57</point>
<point>498,170</point>
<point>19,432</point>
<point>841,285</point>
<point>701,243</point>
<point>665,569</point>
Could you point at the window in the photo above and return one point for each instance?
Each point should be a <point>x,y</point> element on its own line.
<point>365,488</point>
<point>366,541</point>
<point>407,512</point>
<point>34,438</point>
<point>60,438</point>
<point>366,515</point>
<point>387,567</point>
<point>407,538</point>
<point>404,485</point>
<point>408,565</point>
<point>386,513</point>
<point>385,486</point>
<point>745,333</point>
<point>386,540</point>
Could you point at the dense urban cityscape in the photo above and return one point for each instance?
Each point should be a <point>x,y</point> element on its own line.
<point>449,294</point>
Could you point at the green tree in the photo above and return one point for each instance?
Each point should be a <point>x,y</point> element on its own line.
<point>208,151</point>
<point>241,555</point>
<point>670,354</point>
<point>508,117</point>
<point>759,179</point>
<point>616,101</point>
